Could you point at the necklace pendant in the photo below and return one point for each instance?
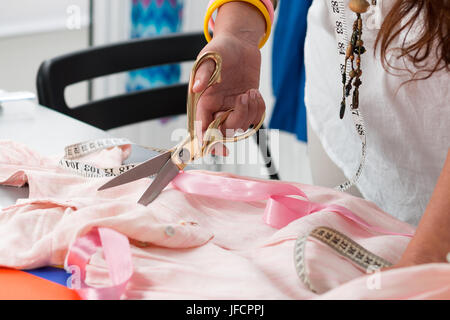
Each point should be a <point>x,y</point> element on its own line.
<point>342,112</point>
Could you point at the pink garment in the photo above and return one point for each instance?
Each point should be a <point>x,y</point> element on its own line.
<point>193,247</point>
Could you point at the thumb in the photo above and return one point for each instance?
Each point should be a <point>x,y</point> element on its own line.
<point>203,75</point>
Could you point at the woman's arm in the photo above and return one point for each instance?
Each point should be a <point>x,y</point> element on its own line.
<point>239,27</point>
<point>431,243</point>
<point>242,20</point>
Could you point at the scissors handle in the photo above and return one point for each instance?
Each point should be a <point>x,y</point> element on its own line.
<point>214,126</point>
<point>193,97</point>
<point>197,148</point>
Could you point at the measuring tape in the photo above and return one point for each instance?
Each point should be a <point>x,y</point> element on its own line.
<point>338,9</point>
<point>75,151</point>
<point>340,243</point>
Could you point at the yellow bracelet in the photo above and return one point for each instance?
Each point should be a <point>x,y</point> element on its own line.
<point>257,3</point>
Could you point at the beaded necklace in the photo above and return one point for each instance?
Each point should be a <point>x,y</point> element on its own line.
<point>355,47</point>
<point>353,82</point>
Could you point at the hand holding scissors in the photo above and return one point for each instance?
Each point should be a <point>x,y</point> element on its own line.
<point>167,165</point>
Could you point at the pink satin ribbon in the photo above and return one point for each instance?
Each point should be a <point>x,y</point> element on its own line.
<point>117,253</point>
<point>281,209</point>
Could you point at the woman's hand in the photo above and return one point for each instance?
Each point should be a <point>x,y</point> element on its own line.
<point>239,28</point>
<point>238,88</point>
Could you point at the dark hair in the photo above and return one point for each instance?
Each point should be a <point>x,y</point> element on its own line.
<point>430,52</point>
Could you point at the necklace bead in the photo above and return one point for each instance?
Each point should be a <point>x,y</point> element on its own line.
<point>359,6</point>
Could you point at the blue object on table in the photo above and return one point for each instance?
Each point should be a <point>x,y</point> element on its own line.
<point>288,71</point>
<point>150,18</point>
<point>56,275</point>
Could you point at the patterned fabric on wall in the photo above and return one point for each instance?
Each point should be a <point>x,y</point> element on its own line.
<point>150,18</point>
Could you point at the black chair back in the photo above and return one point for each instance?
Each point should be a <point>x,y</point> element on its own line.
<point>55,75</point>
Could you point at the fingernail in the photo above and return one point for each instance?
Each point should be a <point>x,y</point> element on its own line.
<point>244,99</point>
<point>196,84</point>
<point>253,94</point>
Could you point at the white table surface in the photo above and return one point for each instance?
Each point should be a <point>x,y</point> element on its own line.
<point>47,132</point>
<point>42,129</point>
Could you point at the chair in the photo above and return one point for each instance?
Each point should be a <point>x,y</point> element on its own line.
<point>56,74</point>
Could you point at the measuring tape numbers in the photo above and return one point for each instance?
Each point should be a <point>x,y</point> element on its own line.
<point>74,152</point>
<point>342,245</point>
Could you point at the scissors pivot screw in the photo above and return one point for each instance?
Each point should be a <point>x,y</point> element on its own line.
<point>184,155</point>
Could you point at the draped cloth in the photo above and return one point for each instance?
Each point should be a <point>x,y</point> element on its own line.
<point>288,78</point>
<point>188,246</point>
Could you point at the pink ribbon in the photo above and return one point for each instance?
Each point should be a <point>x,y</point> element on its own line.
<point>283,206</point>
<point>117,253</point>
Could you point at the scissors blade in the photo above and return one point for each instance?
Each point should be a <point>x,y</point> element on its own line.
<point>146,169</point>
<point>167,174</point>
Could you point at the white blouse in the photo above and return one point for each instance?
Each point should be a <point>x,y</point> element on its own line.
<point>408,127</point>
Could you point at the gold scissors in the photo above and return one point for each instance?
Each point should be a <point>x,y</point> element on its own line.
<point>167,165</point>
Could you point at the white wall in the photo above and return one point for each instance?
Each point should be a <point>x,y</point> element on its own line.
<point>21,17</point>
<point>32,31</point>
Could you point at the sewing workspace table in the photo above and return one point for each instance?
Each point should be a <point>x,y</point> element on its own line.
<point>47,132</point>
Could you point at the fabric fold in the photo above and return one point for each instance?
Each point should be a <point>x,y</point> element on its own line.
<point>207,236</point>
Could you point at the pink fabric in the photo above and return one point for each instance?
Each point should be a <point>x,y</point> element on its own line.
<point>116,249</point>
<point>185,246</point>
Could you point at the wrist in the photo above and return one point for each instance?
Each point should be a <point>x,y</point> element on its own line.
<point>423,254</point>
<point>242,21</point>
